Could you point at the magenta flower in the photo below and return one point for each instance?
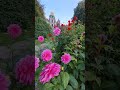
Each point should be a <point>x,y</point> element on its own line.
<point>40,38</point>
<point>14,30</point>
<point>25,70</point>
<point>46,55</point>
<point>49,71</point>
<point>66,58</point>
<point>4,82</point>
<point>56,31</point>
<point>36,63</point>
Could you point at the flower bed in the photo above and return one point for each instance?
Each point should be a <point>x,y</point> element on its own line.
<point>60,62</point>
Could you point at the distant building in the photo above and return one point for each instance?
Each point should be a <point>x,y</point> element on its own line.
<point>58,23</point>
<point>52,20</point>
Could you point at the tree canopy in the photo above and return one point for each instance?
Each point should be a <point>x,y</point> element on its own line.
<point>39,9</point>
<point>79,11</point>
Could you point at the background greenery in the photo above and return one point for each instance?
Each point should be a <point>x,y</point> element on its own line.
<point>14,11</point>
<point>42,26</point>
<point>79,11</point>
<point>102,58</point>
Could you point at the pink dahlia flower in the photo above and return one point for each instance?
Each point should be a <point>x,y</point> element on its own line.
<point>66,58</point>
<point>36,63</point>
<point>25,70</point>
<point>4,82</point>
<point>49,71</point>
<point>14,30</point>
<point>46,55</point>
<point>40,38</point>
<point>56,31</point>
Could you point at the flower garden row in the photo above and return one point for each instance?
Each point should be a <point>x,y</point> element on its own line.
<point>52,69</point>
<point>56,60</point>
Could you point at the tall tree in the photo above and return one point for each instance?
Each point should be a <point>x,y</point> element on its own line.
<point>39,9</point>
<point>79,11</point>
<point>42,27</point>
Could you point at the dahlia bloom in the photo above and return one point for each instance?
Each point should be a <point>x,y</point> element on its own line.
<point>36,63</point>
<point>14,30</point>
<point>25,70</point>
<point>66,58</point>
<point>52,39</point>
<point>68,21</point>
<point>49,71</point>
<point>75,18</point>
<point>40,38</point>
<point>4,82</point>
<point>72,20</point>
<point>56,31</point>
<point>69,28</point>
<point>62,25</point>
<point>46,55</point>
<point>50,35</point>
<point>69,24</point>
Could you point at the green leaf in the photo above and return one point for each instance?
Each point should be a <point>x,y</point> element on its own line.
<point>81,66</point>
<point>56,87</point>
<point>48,86</point>
<point>75,73</point>
<point>61,87</point>
<point>73,82</point>
<point>69,87</point>
<point>59,79</point>
<point>39,85</point>
<point>65,79</point>
<point>71,65</point>
<point>73,58</point>
<point>82,55</point>
<point>90,76</point>
<point>98,80</point>
<point>82,86</point>
<point>82,78</point>
<point>54,81</point>
<point>113,69</point>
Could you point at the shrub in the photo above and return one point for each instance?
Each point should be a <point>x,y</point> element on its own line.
<point>41,27</point>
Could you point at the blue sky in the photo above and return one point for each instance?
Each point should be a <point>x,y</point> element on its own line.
<point>63,9</point>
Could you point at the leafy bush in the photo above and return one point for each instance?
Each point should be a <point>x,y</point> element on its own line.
<point>69,41</point>
<point>41,27</point>
<point>102,57</point>
<point>79,11</point>
<point>39,10</point>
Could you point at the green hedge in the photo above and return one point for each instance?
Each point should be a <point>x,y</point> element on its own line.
<point>41,27</point>
<point>102,58</point>
<point>17,11</point>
